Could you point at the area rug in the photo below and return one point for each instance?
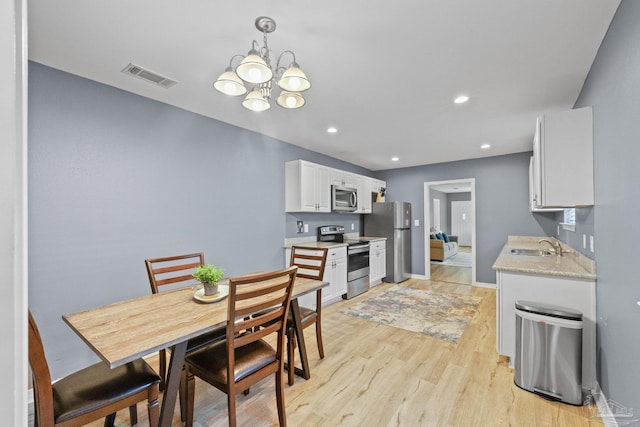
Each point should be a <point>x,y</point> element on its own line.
<point>461,259</point>
<point>441,315</point>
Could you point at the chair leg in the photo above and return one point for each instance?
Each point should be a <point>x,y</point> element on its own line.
<point>282,416</point>
<point>319,338</point>
<point>162,367</point>
<point>133,414</point>
<point>109,420</point>
<point>191,389</point>
<point>153,407</point>
<point>291,355</point>
<point>231,405</point>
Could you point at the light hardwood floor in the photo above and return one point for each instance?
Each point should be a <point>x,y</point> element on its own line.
<point>451,274</point>
<point>376,375</point>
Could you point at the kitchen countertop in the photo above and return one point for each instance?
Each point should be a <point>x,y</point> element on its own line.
<point>312,242</point>
<point>572,264</point>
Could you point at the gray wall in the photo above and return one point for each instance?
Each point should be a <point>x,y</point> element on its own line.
<point>613,89</point>
<point>502,184</point>
<point>584,226</point>
<point>115,178</point>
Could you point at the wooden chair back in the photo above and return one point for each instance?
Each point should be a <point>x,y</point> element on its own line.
<point>42,389</point>
<point>310,261</point>
<point>258,303</point>
<point>90,393</point>
<point>173,270</point>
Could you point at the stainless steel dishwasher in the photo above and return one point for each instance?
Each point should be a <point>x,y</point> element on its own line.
<point>548,358</point>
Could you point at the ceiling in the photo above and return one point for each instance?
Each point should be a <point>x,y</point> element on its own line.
<point>457,187</point>
<point>384,73</point>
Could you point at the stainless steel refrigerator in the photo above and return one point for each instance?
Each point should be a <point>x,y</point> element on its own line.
<point>393,221</point>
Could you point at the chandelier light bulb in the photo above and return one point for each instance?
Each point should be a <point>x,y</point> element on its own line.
<point>253,69</point>
<point>294,83</point>
<point>290,99</point>
<point>230,84</point>
<point>254,101</point>
<point>294,79</point>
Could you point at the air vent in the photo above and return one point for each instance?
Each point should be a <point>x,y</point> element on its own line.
<point>149,76</point>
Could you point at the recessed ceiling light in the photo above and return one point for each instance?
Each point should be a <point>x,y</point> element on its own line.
<point>395,158</point>
<point>461,99</point>
<point>485,146</point>
<point>332,129</point>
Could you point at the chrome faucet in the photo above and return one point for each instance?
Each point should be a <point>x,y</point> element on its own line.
<point>557,248</point>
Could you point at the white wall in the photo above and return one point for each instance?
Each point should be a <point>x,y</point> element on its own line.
<point>13,365</point>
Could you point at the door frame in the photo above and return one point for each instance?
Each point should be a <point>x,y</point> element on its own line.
<point>427,221</point>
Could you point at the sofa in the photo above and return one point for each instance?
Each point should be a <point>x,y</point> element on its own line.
<point>441,249</point>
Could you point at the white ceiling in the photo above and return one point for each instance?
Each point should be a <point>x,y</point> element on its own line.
<point>458,187</point>
<point>384,73</point>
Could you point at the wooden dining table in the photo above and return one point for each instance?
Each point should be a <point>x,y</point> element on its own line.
<point>124,331</point>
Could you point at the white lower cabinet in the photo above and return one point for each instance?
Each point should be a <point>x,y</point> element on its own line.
<point>578,294</point>
<point>335,272</point>
<point>377,262</point>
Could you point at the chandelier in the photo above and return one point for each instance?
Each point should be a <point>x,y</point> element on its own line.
<point>256,73</point>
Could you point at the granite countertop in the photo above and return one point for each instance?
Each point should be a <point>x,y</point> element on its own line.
<point>571,264</point>
<point>312,242</point>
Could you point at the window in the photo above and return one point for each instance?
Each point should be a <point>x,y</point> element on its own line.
<point>569,220</point>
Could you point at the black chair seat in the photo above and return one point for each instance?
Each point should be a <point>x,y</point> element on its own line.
<point>212,361</point>
<point>98,386</point>
<point>204,340</point>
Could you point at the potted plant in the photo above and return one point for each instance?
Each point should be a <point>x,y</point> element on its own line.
<point>209,275</point>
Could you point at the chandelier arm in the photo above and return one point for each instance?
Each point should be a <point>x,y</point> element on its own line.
<point>280,57</point>
<point>234,57</point>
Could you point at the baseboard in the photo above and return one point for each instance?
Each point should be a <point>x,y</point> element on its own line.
<point>485,285</point>
<point>622,416</point>
<point>418,276</point>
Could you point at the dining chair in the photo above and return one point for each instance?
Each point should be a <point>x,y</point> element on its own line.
<point>245,358</point>
<point>311,263</point>
<point>170,272</point>
<point>91,393</point>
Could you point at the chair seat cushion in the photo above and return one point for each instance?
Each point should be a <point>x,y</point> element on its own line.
<point>97,386</point>
<point>211,362</point>
<point>306,314</point>
<point>205,339</point>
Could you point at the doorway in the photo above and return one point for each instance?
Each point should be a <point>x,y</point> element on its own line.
<point>455,204</point>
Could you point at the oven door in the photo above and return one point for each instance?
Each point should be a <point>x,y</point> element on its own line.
<point>357,262</point>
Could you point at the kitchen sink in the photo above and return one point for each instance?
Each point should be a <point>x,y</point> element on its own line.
<point>532,252</point>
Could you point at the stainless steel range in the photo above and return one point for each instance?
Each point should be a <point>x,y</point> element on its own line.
<point>357,259</point>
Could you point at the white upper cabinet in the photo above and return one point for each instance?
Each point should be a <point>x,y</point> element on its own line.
<point>364,185</point>
<point>562,163</point>
<point>534,177</point>
<point>342,178</point>
<point>307,187</point>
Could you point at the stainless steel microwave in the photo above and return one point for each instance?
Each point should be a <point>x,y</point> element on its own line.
<point>344,199</point>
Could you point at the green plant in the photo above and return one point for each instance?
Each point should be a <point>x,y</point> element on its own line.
<point>208,274</point>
